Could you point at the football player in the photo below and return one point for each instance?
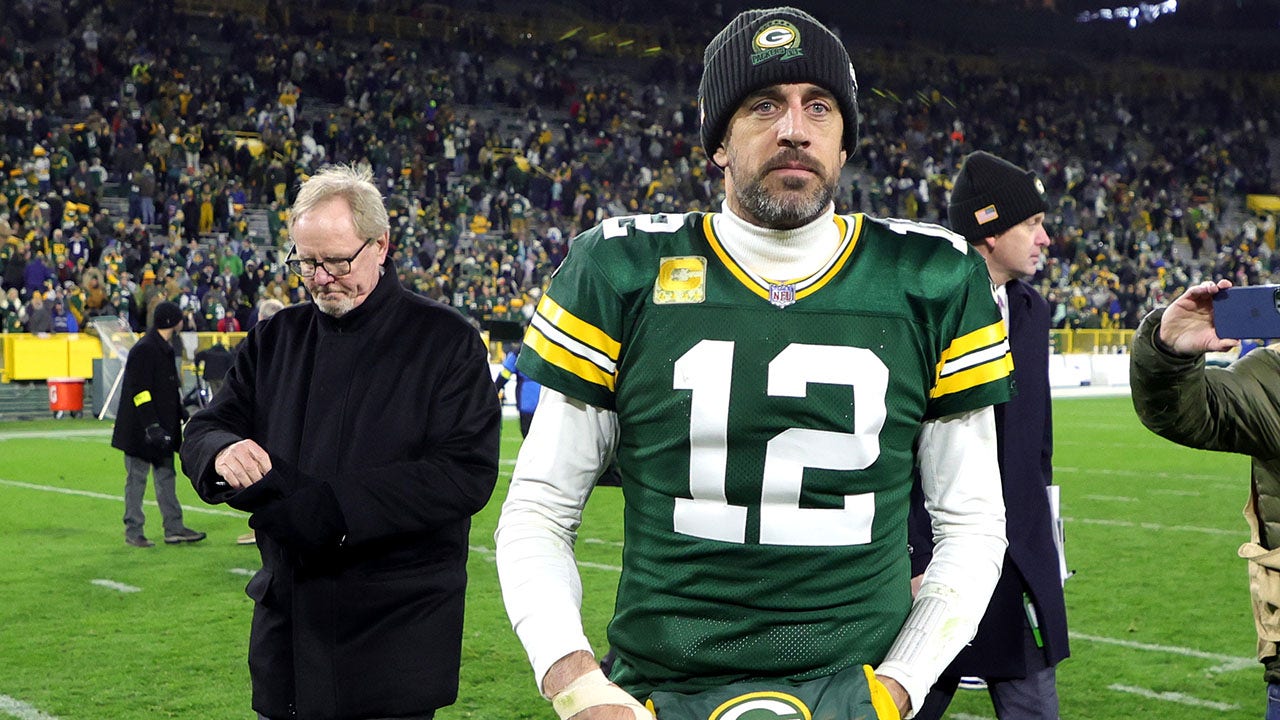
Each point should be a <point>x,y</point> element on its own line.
<point>766,377</point>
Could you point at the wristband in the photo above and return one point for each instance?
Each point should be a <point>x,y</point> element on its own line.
<point>592,690</point>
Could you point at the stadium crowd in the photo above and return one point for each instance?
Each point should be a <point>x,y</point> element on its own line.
<point>494,151</point>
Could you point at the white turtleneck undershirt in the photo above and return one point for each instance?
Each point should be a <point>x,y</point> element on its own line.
<point>779,255</point>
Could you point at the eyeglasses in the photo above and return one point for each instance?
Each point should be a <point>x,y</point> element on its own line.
<point>306,267</point>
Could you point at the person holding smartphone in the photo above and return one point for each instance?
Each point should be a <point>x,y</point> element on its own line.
<point>1233,409</point>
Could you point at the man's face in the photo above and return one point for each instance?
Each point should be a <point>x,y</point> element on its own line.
<point>782,155</point>
<point>328,233</point>
<point>1016,252</point>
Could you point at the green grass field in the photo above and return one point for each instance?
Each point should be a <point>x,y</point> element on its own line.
<point>1158,606</point>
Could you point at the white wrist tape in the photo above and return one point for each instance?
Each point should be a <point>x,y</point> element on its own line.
<point>592,690</point>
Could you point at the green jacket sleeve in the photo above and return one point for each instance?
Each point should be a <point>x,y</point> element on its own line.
<point>1232,409</point>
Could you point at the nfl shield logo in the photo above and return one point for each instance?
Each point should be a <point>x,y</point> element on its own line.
<point>782,295</point>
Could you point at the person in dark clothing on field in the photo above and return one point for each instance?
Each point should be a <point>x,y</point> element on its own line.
<point>215,362</point>
<point>361,431</point>
<point>999,208</point>
<point>148,429</point>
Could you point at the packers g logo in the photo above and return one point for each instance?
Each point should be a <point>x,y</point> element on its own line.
<point>768,705</point>
<point>779,39</point>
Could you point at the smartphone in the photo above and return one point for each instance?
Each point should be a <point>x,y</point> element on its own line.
<point>1248,312</point>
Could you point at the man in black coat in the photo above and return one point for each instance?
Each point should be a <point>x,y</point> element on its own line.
<point>1000,208</point>
<point>215,363</point>
<point>148,429</point>
<point>361,431</point>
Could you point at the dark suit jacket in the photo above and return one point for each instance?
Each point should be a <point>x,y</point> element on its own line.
<point>1024,432</point>
<point>383,431</point>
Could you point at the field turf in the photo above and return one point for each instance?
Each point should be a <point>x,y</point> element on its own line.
<point>91,629</point>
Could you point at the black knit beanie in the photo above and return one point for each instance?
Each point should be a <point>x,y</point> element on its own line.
<point>991,195</point>
<point>759,48</point>
<point>167,315</point>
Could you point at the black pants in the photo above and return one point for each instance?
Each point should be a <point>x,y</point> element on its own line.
<point>1034,697</point>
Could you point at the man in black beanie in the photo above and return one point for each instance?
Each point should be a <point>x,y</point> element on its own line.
<point>767,377</point>
<point>149,429</point>
<point>999,208</point>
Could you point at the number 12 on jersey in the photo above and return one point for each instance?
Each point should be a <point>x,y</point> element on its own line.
<point>708,514</point>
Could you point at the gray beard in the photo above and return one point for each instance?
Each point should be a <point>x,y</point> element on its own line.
<point>776,213</point>
<point>337,309</point>
<point>334,308</point>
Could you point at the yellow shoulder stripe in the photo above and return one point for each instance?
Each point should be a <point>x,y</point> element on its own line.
<point>978,339</point>
<point>562,358</point>
<point>973,359</point>
<point>974,376</point>
<point>577,328</point>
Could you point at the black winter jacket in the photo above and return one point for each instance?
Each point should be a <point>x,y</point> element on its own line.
<point>383,431</point>
<point>150,392</point>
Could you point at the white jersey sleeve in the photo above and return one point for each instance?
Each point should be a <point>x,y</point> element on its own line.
<point>569,444</point>
<point>960,476</point>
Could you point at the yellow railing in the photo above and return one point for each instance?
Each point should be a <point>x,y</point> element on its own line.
<point>32,357</point>
<point>1090,342</point>
<point>40,357</point>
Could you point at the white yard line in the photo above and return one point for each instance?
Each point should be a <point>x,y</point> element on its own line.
<point>1110,498</point>
<point>120,498</point>
<point>1177,493</point>
<point>104,433</point>
<point>1093,443</point>
<point>113,585</point>
<point>18,709</point>
<point>1174,697</point>
<point>1241,533</point>
<point>1096,471</point>
<point>1225,663</point>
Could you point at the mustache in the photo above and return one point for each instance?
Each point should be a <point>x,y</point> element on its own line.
<point>790,158</point>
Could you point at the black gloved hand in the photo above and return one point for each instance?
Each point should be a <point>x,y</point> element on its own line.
<point>307,521</point>
<point>157,437</point>
<point>280,482</point>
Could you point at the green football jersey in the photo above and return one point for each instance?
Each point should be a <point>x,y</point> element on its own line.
<point>767,433</point>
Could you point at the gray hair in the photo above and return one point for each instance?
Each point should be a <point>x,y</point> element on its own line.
<point>368,213</point>
<point>268,307</point>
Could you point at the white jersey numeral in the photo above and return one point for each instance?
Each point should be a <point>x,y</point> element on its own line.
<point>706,371</point>
<point>654,223</point>
<point>902,227</point>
